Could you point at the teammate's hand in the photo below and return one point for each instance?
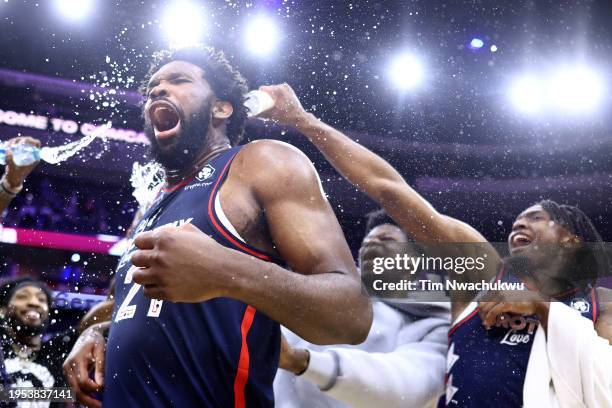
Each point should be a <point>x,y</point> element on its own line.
<point>287,109</point>
<point>87,353</point>
<point>180,264</point>
<point>495,304</point>
<point>15,175</point>
<point>293,359</point>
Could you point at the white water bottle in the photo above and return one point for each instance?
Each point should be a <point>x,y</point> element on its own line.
<point>23,154</point>
<point>258,102</point>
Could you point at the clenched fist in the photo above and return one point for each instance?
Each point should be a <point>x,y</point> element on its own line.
<point>181,264</point>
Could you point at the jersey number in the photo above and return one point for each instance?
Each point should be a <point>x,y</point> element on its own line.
<point>126,310</point>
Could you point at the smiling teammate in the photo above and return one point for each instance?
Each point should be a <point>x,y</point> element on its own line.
<point>566,358</point>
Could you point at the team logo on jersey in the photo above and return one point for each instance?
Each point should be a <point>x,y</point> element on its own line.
<point>580,305</point>
<point>206,172</point>
<point>520,328</point>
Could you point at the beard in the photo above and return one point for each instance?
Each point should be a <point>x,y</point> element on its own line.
<point>191,139</point>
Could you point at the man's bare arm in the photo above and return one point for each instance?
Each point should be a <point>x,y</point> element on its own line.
<point>323,301</point>
<point>371,174</point>
<point>320,298</point>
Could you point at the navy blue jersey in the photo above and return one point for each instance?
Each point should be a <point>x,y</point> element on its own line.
<point>218,353</point>
<point>487,368</point>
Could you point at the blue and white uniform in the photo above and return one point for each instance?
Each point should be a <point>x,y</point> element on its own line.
<point>487,368</point>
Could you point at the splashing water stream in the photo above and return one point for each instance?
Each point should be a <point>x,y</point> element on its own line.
<point>58,154</point>
<point>146,180</point>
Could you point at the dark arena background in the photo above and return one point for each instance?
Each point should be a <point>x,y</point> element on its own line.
<point>484,107</point>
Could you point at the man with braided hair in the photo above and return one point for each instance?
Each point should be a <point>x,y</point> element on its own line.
<point>548,347</point>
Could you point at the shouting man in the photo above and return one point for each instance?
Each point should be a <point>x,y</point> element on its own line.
<point>199,302</point>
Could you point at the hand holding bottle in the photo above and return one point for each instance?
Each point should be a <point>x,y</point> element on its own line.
<point>287,109</point>
<point>20,157</point>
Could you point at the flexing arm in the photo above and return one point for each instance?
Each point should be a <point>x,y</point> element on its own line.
<point>320,298</point>
<point>11,182</point>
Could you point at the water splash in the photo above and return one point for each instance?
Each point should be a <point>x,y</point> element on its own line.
<point>58,154</point>
<point>146,181</point>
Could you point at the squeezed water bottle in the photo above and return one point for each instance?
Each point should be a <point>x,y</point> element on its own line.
<point>23,154</point>
<point>258,102</point>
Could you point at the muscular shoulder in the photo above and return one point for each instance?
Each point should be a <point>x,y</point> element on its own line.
<point>274,155</point>
<point>274,165</point>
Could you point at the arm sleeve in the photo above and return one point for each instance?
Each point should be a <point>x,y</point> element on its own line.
<point>410,375</point>
<point>580,361</point>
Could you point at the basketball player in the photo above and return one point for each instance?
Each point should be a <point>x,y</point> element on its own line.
<point>12,180</point>
<point>497,367</point>
<point>201,292</point>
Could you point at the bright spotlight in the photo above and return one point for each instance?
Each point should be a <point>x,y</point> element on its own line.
<point>577,89</point>
<point>261,36</point>
<point>74,9</point>
<point>75,257</point>
<point>183,24</point>
<point>476,43</point>
<point>406,72</point>
<point>527,95</point>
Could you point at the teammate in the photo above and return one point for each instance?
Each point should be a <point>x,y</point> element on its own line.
<point>483,369</point>
<point>197,302</point>
<point>11,182</point>
<point>402,361</point>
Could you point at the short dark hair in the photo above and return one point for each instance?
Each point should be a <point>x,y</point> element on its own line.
<point>9,286</point>
<point>591,257</point>
<point>226,82</point>
<point>379,217</point>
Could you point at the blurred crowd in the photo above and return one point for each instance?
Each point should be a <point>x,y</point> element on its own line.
<point>56,206</point>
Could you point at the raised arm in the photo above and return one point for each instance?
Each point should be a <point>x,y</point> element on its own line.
<point>371,174</point>
<point>11,182</point>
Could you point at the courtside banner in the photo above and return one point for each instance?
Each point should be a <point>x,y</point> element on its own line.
<point>99,243</point>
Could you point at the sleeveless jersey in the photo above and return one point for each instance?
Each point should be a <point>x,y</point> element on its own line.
<point>487,368</point>
<point>218,353</point>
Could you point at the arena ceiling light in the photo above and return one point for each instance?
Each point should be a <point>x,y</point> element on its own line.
<point>74,9</point>
<point>568,89</point>
<point>577,89</point>
<point>406,72</point>
<point>476,43</point>
<point>183,24</point>
<point>527,94</point>
<point>261,35</point>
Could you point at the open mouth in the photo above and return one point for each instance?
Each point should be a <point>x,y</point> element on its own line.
<point>520,241</point>
<point>32,315</point>
<point>165,119</point>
